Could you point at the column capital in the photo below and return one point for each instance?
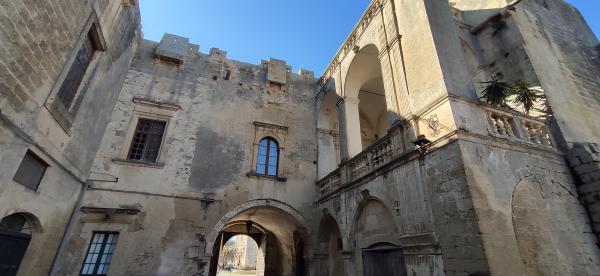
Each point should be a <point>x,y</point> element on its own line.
<point>350,100</point>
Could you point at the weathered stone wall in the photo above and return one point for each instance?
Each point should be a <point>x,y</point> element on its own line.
<point>561,48</point>
<point>584,158</point>
<point>207,158</point>
<point>527,208</point>
<point>37,39</point>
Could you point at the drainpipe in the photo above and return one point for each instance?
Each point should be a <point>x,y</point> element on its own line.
<point>69,228</point>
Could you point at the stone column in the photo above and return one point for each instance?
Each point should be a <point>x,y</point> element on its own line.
<point>349,127</point>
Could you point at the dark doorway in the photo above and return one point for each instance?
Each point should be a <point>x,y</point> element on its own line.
<point>15,235</point>
<point>378,262</point>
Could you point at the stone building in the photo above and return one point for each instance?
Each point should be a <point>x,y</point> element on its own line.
<point>125,156</point>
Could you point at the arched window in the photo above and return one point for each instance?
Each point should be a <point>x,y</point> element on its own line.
<point>268,157</point>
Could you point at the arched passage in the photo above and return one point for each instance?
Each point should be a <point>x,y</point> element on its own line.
<point>328,134</point>
<point>377,246</point>
<point>330,248</point>
<point>16,231</point>
<point>365,116</point>
<point>242,253</point>
<point>280,235</point>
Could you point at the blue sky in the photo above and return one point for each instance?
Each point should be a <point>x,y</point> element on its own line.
<point>304,33</point>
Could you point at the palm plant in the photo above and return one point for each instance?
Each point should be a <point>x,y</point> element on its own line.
<point>496,92</point>
<point>526,95</point>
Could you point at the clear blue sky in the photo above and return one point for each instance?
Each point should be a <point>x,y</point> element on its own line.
<point>304,33</point>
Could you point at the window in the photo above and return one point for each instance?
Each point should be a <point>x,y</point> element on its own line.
<point>268,157</point>
<point>146,141</point>
<point>15,223</point>
<point>31,171</point>
<point>68,90</point>
<point>99,253</point>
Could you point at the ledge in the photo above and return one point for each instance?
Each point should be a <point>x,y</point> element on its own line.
<point>158,104</point>
<point>273,126</point>
<point>138,163</point>
<point>100,210</point>
<point>268,177</point>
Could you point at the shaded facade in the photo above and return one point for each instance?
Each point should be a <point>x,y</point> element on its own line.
<point>125,156</point>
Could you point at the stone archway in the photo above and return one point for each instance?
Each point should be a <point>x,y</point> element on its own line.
<point>16,232</point>
<point>283,235</point>
<point>330,247</point>
<point>376,240</point>
<point>366,116</point>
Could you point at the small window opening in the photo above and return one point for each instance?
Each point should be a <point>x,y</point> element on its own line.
<point>31,171</point>
<point>15,223</point>
<point>146,141</point>
<point>227,75</point>
<point>268,157</point>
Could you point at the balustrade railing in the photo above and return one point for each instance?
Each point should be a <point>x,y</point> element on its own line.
<point>519,126</point>
<point>501,123</point>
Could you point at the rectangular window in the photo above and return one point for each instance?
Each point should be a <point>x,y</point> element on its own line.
<point>31,171</point>
<point>99,253</point>
<point>68,90</point>
<point>147,140</point>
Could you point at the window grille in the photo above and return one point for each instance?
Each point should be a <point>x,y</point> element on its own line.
<point>268,157</point>
<point>146,141</point>
<point>99,253</point>
<point>31,171</point>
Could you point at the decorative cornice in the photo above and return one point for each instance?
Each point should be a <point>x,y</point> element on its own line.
<point>157,104</point>
<point>271,126</point>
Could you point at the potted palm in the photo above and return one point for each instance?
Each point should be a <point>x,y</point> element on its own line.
<point>496,92</point>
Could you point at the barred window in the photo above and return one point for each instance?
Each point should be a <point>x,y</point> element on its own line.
<point>68,90</point>
<point>147,140</point>
<point>31,171</point>
<point>268,157</point>
<point>99,253</point>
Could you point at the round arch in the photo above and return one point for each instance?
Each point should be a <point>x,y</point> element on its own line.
<point>364,67</point>
<point>32,220</point>
<point>330,245</point>
<point>387,220</point>
<point>284,236</point>
<point>227,217</point>
<point>364,88</point>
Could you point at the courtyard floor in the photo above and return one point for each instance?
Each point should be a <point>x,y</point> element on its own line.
<point>236,272</point>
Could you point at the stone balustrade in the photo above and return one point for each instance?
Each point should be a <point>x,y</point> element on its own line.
<point>506,124</point>
<point>375,156</point>
<point>515,125</point>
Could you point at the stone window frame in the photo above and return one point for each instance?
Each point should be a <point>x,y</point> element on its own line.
<point>149,110</point>
<point>37,157</point>
<point>276,132</point>
<point>87,233</point>
<point>99,261</point>
<point>65,119</point>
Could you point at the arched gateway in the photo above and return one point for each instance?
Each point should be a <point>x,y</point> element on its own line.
<point>279,230</point>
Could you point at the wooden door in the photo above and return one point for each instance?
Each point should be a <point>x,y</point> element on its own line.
<point>12,250</point>
<point>383,262</point>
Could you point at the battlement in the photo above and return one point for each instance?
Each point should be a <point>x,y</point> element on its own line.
<point>179,51</point>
